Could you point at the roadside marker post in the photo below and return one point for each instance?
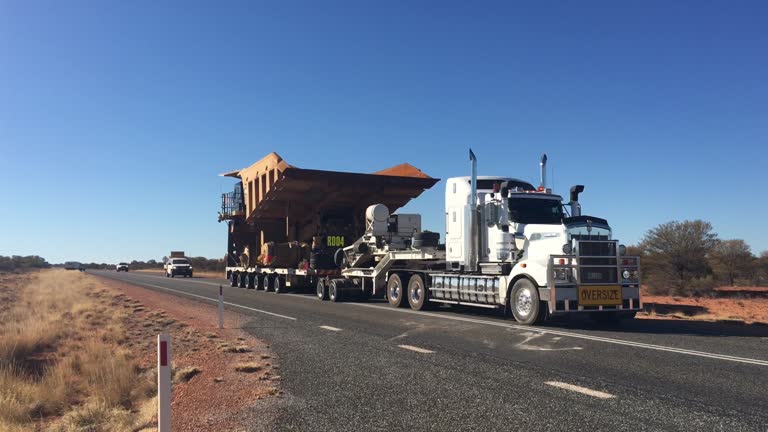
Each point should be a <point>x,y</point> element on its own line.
<point>221,307</point>
<point>163,383</point>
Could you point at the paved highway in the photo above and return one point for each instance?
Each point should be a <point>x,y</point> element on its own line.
<point>366,366</point>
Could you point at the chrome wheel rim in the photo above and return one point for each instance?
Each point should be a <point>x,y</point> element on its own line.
<point>394,291</point>
<point>524,302</point>
<point>416,291</point>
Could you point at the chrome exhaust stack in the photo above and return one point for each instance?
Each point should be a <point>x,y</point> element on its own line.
<point>574,203</point>
<point>543,165</point>
<point>472,250</point>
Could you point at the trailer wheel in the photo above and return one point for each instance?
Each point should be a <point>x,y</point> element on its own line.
<point>395,291</point>
<point>260,282</point>
<point>278,284</point>
<point>243,280</point>
<point>322,290</point>
<point>234,276</point>
<point>418,294</point>
<point>252,280</point>
<point>525,303</point>
<point>268,281</point>
<point>334,290</point>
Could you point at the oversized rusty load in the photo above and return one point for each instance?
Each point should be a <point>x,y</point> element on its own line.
<point>280,203</point>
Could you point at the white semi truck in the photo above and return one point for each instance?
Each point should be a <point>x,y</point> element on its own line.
<point>509,246</point>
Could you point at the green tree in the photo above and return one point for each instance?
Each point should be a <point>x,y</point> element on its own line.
<point>761,269</point>
<point>676,254</point>
<point>732,259</point>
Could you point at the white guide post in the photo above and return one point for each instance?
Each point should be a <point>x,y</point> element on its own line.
<point>163,383</point>
<point>221,307</point>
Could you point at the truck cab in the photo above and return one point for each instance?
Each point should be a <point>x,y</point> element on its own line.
<point>551,259</point>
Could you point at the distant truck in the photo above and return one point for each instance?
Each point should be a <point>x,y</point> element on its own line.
<point>178,265</point>
<point>122,267</point>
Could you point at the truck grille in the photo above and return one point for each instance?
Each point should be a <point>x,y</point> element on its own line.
<point>598,262</point>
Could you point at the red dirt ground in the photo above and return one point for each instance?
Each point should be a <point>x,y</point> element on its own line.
<point>748,310</point>
<point>215,398</point>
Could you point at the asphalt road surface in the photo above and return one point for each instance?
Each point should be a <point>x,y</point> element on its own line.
<point>365,366</point>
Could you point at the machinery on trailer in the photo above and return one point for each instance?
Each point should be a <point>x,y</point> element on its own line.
<point>508,245</point>
<point>287,225</point>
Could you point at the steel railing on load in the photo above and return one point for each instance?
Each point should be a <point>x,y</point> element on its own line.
<point>232,204</point>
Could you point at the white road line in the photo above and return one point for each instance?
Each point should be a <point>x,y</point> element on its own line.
<point>582,390</point>
<point>186,280</point>
<point>417,349</point>
<point>724,357</point>
<point>208,299</point>
<point>330,328</point>
<point>642,345</point>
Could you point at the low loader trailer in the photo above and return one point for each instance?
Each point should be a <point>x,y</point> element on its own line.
<point>508,246</point>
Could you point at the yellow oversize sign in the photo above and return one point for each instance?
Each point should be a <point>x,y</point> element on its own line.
<point>590,295</point>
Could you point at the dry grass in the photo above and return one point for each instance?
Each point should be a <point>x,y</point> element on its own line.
<point>62,364</point>
<point>248,367</point>
<point>185,374</point>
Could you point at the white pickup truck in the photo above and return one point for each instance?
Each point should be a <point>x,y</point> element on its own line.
<point>178,266</point>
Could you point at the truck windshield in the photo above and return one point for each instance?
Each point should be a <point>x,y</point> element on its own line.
<point>535,211</point>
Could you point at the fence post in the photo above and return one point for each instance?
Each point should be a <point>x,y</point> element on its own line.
<point>221,307</point>
<point>163,383</point>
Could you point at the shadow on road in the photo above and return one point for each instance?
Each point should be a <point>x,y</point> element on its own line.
<point>637,325</point>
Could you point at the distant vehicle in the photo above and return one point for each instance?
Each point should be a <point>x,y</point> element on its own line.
<point>178,267</point>
<point>73,265</point>
<point>122,267</point>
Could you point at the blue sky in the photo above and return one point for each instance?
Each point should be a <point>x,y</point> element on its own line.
<point>116,117</point>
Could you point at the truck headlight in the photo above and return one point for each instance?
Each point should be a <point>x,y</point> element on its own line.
<point>625,274</point>
<point>567,249</point>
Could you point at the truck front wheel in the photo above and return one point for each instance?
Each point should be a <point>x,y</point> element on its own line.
<point>525,303</point>
<point>395,291</point>
<point>418,296</point>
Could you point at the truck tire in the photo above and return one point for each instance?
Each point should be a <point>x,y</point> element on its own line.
<point>278,284</point>
<point>334,290</point>
<point>524,302</point>
<point>418,294</point>
<point>268,281</point>
<point>233,278</point>
<point>167,275</point>
<point>322,290</point>
<point>243,279</point>
<point>260,282</point>
<point>395,291</point>
<point>252,280</point>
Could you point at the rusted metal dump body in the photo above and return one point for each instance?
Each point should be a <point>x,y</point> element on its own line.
<point>277,202</point>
